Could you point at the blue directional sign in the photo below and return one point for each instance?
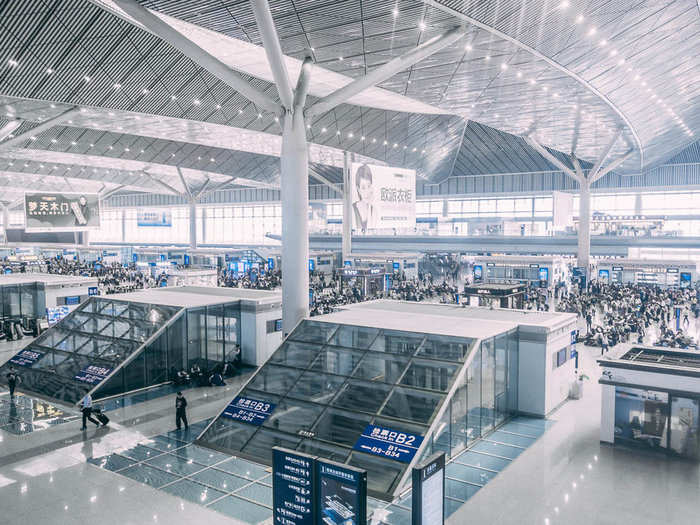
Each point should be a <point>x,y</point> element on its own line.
<point>270,263</point>
<point>93,374</point>
<point>26,357</point>
<point>93,290</point>
<point>293,487</point>
<point>388,443</point>
<point>249,410</point>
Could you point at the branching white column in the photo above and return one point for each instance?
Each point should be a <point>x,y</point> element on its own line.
<point>347,208</point>
<point>5,219</point>
<point>584,224</point>
<point>295,221</point>
<point>193,223</point>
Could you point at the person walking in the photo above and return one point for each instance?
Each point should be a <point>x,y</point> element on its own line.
<point>86,409</point>
<point>12,380</point>
<point>180,411</point>
<point>603,343</point>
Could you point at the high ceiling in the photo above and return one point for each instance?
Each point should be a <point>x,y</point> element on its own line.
<point>572,74</point>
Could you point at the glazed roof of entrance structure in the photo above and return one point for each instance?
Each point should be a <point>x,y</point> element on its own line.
<point>329,380</point>
<point>570,74</point>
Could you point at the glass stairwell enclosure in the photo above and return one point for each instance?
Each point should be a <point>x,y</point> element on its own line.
<point>132,345</point>
<point>327,382</point>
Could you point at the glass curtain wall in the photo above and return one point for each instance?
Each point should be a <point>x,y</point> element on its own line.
<point>17,300</point>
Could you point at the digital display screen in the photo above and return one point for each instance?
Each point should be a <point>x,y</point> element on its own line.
<point>478,273</point>
<point>341,495</point>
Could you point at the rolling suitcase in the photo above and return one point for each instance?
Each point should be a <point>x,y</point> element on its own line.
<point>101,417</point>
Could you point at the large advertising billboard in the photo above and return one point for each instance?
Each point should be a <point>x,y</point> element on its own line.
<point>154,218</point>
<point>49,212</point>
<point>382,197</point>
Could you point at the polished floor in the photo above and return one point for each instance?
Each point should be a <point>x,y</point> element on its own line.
<point>563,475</point>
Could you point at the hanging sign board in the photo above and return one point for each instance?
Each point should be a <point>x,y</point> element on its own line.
<point>293,487</point>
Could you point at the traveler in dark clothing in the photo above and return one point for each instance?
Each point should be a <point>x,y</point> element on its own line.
<point>180,411</point>
<point>12,380</point>
<point>86,409</point>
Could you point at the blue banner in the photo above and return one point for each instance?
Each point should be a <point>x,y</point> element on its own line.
<point>270,263</point>
<point>292,486</point>
<point>93,290</point>
<point>312,265</point>
<point>73,299</point>
<point>55,314</point>
<point>26,357</point>
<point>93,374</point>
<point>249,410</point>
<point>162,218</point>
<point>388,443</point>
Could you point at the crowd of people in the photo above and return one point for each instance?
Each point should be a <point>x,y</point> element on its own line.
<point>112,278</point>
<point>615,313</point>
<point>268,280</point>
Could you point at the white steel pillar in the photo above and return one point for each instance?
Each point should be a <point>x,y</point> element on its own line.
<point>584,225</point>
<point>193,224</point>
<point>295,221</point>
<point>347,209</point>
<point>5,220</point>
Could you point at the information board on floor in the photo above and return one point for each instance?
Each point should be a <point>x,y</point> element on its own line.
<point>389,443</point>
<point>93,374</point>
<point>428,491</point>
<point>341,494</point>
<point>293,487</point>
<point>249,410</point>
<point>26,357</point>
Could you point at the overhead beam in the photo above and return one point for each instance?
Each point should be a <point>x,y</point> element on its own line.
<point>184,182</point>
<point>111,192</point>
<point>204,187</point>
<point>159,182</point>
<point>325,181</point>
<point>551,158</point>
<point>36,130</point>
<point>9,128</point>
<point>386,71</point>
<point>180,42</point>
<point>577,129</point>
<point>273,50</point>
<point>613,164</point>
<point>604,155</point>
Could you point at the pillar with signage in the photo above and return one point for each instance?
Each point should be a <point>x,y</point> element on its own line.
<point>428,491</point>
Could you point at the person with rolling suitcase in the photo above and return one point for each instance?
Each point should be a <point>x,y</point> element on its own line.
<point>86,409</point>
<point>12,380</point>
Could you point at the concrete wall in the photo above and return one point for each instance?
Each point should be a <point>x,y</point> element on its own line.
<point>54,292</point>
<point>256,344</point>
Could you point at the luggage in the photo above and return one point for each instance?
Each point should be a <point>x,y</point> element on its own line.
<point>102,418</point>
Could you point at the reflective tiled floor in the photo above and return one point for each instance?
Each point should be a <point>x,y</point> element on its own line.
<point>24,414</point>
<point>472,469</point>
<point>172,463</point>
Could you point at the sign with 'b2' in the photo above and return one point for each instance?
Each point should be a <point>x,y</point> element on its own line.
<point>389,443</point>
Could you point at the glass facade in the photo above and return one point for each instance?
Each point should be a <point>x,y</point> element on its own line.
<point>328,382</point>
<point>26,299</point>
<point>118,336</point>
<point>658,420</point>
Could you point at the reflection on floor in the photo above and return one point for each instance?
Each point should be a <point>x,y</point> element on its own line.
<point>24,414</point>
<point>242,489</point>
<point>472,469</point>
<point>170,462</point>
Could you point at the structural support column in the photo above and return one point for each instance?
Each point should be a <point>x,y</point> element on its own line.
<point>295,221</point>
<point>347,208</point>
<point>584,225</point>
<point>5,220</point>
<point>193,224</point>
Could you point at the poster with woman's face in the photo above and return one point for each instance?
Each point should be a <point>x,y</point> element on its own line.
<point>61,211</point>
<point>382,197</point>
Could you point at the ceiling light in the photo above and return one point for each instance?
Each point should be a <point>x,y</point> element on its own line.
<point>218,106</point>
<point>32,138</point>
<point>385,143</point>
<point>117,86</point>
<point>374,141</point>
<point>414,149</point>
<point>421,26</point>
<point>603,43</point>
<point>92,145</point>
<point>212,159</point>
<point>173,97</point>
<point>337,132</point>
<point>86,78</point>
<point>145,92</point>
<point>621,61</point>
<point>395,144</point>
<point>532,81</point>
<point>259,115</point>
<point>613,52</point>
<point>323,130</point>
<point>53,141</point>
<point>49,71</point>
<point>277,119</point>
<point>519,74</point>
<point>468,47</point>
<point>504,66</point>
<point>111,147</point>
<point>564,4</point>
<point>196,102</point>
<point>340,59</point>
<point>127,149</point>
<point>12,63</point>
<point>350,135</point>
<point>487,57</point>
<point>579,19</point>
<point>362,137</point>
<point>240,111</point>
<point>592,31</point>
<point>395,12</point>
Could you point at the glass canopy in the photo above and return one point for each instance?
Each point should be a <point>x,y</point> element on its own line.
<point>327,382</point>
<point>101,334</point>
